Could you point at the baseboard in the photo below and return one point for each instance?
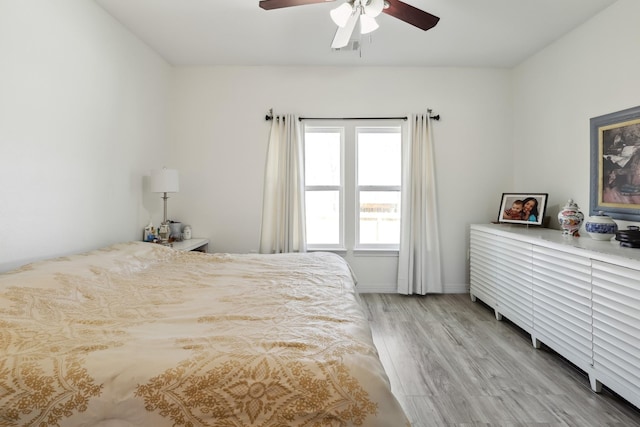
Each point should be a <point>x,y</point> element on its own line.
<point>364,288</point>
<point>453,288</point>
<point>378,288</point>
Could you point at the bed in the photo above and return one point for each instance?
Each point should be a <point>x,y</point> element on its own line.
<point>137,334</point>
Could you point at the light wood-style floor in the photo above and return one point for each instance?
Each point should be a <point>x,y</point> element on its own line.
<point>451,363</point>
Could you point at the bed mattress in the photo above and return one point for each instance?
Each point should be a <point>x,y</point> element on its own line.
<point>137,334</point>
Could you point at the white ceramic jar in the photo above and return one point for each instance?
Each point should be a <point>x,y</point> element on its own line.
<point>186,232</point>
<point>601,226</point>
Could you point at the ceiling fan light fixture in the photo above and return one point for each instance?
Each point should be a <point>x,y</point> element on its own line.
<point>373,8</point>
<point>368,24</point>
<point>340,15</point>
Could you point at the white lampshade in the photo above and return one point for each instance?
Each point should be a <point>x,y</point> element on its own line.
<point>340,15</point>
<point>368,24</point>
<point>164,181</point>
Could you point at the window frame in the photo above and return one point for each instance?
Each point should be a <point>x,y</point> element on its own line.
<point>340,246</point>
<point>391,129</point>
<point>349,198</point>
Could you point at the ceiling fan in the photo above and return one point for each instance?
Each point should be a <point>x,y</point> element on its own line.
<point>347,15</point>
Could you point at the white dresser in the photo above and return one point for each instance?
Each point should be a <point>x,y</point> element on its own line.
<point>579,296</point>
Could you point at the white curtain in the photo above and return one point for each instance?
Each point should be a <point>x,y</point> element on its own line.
<point>419,269</point>
<point>283,219</point>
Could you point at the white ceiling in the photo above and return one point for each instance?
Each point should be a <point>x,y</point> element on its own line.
<point>471,33</point>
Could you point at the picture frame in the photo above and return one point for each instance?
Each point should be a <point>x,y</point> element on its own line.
<point>522,208</point>
<point>615,164</point>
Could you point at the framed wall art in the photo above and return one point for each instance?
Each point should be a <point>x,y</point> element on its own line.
<point>522,208</point>
<point>615,164</point>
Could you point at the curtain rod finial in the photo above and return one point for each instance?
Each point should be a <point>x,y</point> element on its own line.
<point>431,116</point>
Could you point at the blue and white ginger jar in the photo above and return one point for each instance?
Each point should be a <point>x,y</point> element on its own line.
<point>601,227</point>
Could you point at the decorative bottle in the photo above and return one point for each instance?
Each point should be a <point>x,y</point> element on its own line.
<point>570,219</point>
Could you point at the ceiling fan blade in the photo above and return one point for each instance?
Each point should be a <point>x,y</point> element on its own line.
<point>411,15</point>
<point>343,34</point>
<point>277,4</point>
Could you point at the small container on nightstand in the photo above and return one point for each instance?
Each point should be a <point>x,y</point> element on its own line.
<point>186,232</point>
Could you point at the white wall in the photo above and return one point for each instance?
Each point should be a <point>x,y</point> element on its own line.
<point>83,113</point>
<point>590,72</point>
<point>220,141</point>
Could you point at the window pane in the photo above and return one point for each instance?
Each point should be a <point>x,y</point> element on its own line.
<point>323,217</point>
<point>322,158</point>
<point>379,158</point>
<point>380,217</point>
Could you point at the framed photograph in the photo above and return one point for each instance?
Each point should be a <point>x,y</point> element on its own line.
<point>615,164</point>
<point>523,208</point>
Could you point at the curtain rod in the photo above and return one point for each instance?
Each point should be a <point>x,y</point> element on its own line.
<point>352,118</point>
<point>429,111</point>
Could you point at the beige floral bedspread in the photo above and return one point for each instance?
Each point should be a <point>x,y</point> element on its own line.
<point>138,334</point>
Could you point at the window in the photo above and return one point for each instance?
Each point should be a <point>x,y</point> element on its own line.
<point>378,182</point>
<point>353,185</point>
<point>324,186</point>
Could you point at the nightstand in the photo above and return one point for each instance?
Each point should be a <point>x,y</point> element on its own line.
<point>198,245</point>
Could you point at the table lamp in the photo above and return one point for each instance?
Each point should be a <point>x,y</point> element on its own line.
<point>164,181</point>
